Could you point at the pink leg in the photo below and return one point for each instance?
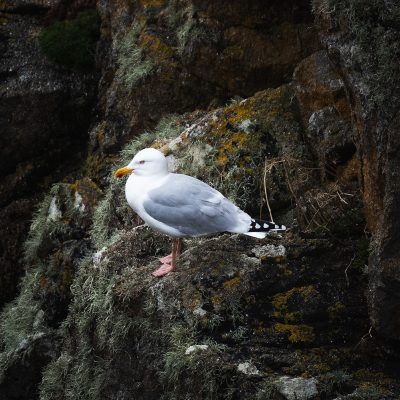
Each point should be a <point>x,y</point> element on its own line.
<point>163,270</point>
<point>165,267</point>
<point>166,259</point>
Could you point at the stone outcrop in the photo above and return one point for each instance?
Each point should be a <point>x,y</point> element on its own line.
<point>363,43</point>
<point>274,109</point>
<point>44,117</point>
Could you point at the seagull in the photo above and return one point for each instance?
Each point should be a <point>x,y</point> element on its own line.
<point>182,206</point>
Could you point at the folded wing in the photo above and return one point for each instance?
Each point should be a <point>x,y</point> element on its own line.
<point>194,208</point>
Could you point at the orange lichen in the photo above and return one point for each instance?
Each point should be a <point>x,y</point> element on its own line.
<point>156,48</point>
<point>43,281</point>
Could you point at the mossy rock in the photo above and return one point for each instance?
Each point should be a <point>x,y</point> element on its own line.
<point>72,42</point>
<point>231,147</point>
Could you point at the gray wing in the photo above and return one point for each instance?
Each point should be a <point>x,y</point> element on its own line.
<point>192,207</point>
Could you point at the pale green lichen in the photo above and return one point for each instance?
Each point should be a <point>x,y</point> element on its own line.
<point>49,272</point>
<point>49,218</point>
<point>377,49</point>
<point>133,66</point>
<point>202,369</point>
<point>18,318</point>
<point>189,30</point>
<point>83,375</point>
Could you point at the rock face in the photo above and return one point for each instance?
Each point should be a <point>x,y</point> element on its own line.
<point>277,110</point>
<point>192,55</point>
<point>44,117</point>
<point>363,53</point>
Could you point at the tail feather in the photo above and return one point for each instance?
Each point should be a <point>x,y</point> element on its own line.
<point>260,228</point>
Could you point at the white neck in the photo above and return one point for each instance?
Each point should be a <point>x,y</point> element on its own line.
<point>137,185</point>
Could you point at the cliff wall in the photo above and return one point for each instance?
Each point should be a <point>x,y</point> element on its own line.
<point>284,104</point>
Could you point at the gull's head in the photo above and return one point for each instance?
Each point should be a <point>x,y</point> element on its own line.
<point>147,162</point>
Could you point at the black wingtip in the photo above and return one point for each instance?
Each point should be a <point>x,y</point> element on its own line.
<point>258,225</point>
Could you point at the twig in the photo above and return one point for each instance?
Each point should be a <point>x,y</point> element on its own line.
<point>364,337</point>
<point>347,268</point>
<point>341,198</point>
<point>265,191</point>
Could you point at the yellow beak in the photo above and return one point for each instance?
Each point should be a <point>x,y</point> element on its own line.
<point>123,171</point>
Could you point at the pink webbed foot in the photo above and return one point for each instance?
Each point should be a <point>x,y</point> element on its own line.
<point>166,259</point>
<point>163,270</point>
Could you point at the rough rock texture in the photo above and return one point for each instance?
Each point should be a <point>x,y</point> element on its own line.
<point>191,55</point>
<point>363,42</point>
<point>57,241</point>
<point>245,97</point>
<point>44,117</point>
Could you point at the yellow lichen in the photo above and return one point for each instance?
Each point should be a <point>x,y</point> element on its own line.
<point>296,333</point>
<point>321,367</point>
<point>216,300</point>
<point>231,282</point>
<point>152,3</point>
<point>229,138</point>
<point>281,306</point>
<point>192,300</point>
<point>335,310</point>
<point>259,327</point>
<point>368,376</point>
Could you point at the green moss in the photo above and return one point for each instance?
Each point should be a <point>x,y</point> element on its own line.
<point>188,28</point>
<point>350,223</point>
<point>288,308</point>
<point>72,42</point>
<point>54,377</point>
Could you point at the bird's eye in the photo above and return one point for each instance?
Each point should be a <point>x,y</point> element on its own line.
<point>141,162</point>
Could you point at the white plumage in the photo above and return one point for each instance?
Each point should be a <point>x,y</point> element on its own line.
<point>182,206</point>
